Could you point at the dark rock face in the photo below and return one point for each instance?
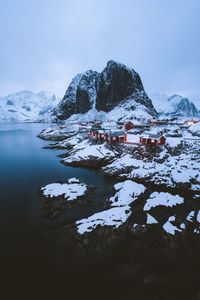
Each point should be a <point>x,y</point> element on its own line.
<point>103,91</point>
<point>80,95</point>
<point>116,83</point>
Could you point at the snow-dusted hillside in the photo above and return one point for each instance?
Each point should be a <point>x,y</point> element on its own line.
<point>125,111</point>
<point>175,105</point>
<point>26,106</point>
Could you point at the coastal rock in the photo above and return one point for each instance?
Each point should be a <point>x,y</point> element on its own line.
<point>58,133</point>
<point>58,197</point>
<point>86,154</point>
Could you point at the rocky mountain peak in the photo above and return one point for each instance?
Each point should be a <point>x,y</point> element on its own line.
<point>116,83</point>
<point>103,91</point>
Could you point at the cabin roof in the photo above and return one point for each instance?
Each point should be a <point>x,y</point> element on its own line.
<point>101,131</point>
<point>117,133</point>
<point>151,136</point>
<point>95,128</point>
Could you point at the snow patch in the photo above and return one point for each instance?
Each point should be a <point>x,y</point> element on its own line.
<point>162,199</point>
<point>70,191</point>
<point>114,217</point>
<point>169,227</point>
<point>127,192</point>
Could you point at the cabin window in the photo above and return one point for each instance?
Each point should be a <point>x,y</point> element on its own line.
<point>114,138</point>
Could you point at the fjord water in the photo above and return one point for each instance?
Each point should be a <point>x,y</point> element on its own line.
<point>24,167</point>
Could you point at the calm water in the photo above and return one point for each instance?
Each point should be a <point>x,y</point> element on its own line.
<point>25,166</point>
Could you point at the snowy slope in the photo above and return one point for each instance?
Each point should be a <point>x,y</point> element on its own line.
<point>127,110</point>
<point>175,105</point>
<point>26,106</point>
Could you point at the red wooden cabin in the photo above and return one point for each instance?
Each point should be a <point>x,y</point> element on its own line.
<point>97,134</point>
<point>115,136</point>
<point>152,139</point>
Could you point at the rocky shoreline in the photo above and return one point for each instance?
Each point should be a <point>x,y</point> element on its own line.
<point>150,252</point>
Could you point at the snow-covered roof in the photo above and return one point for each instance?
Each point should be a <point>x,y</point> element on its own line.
<point>147,135</point>
<point>117,133</point>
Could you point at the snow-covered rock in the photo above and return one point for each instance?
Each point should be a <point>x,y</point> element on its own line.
<point>169,227</point>
<point>87,154</point>
<point>162,199</point>
<point>70,190</point>
<point>26,106</point>
<point>163,168</point>
<point>190,216</point>
<point>151,220</point>
<point>114,217</point>
<point>127,192</point>
<point>59,133</point>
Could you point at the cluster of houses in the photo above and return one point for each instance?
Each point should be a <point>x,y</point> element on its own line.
<point>112,136</point>
<point>120,133</point>
<point>120,136</point>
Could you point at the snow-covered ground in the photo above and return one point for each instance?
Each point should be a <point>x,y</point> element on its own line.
<point>175,165</point>
<point>182,167</point>
<point>195,129</point>
<point>70,190</point>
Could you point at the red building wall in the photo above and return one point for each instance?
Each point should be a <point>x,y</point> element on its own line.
<point>129,125</point>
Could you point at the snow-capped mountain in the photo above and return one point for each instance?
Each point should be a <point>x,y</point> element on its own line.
<point>117,90</point>
<point>175,105</point>
<point>26,106</point>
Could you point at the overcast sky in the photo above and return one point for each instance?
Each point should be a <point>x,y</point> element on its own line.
<point>44,43</point>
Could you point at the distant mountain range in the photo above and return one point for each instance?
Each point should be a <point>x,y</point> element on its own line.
<point>117,94</point>
<point>175,105</point>
<point>26,106</point>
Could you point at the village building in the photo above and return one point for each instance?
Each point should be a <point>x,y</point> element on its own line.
<point>93,133</point>
<point>152,139</point>
<point>191,122</point>
<point>129,125</point>
<point>142,126</point>
<point>115,136</point>
<point>160,122</point>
